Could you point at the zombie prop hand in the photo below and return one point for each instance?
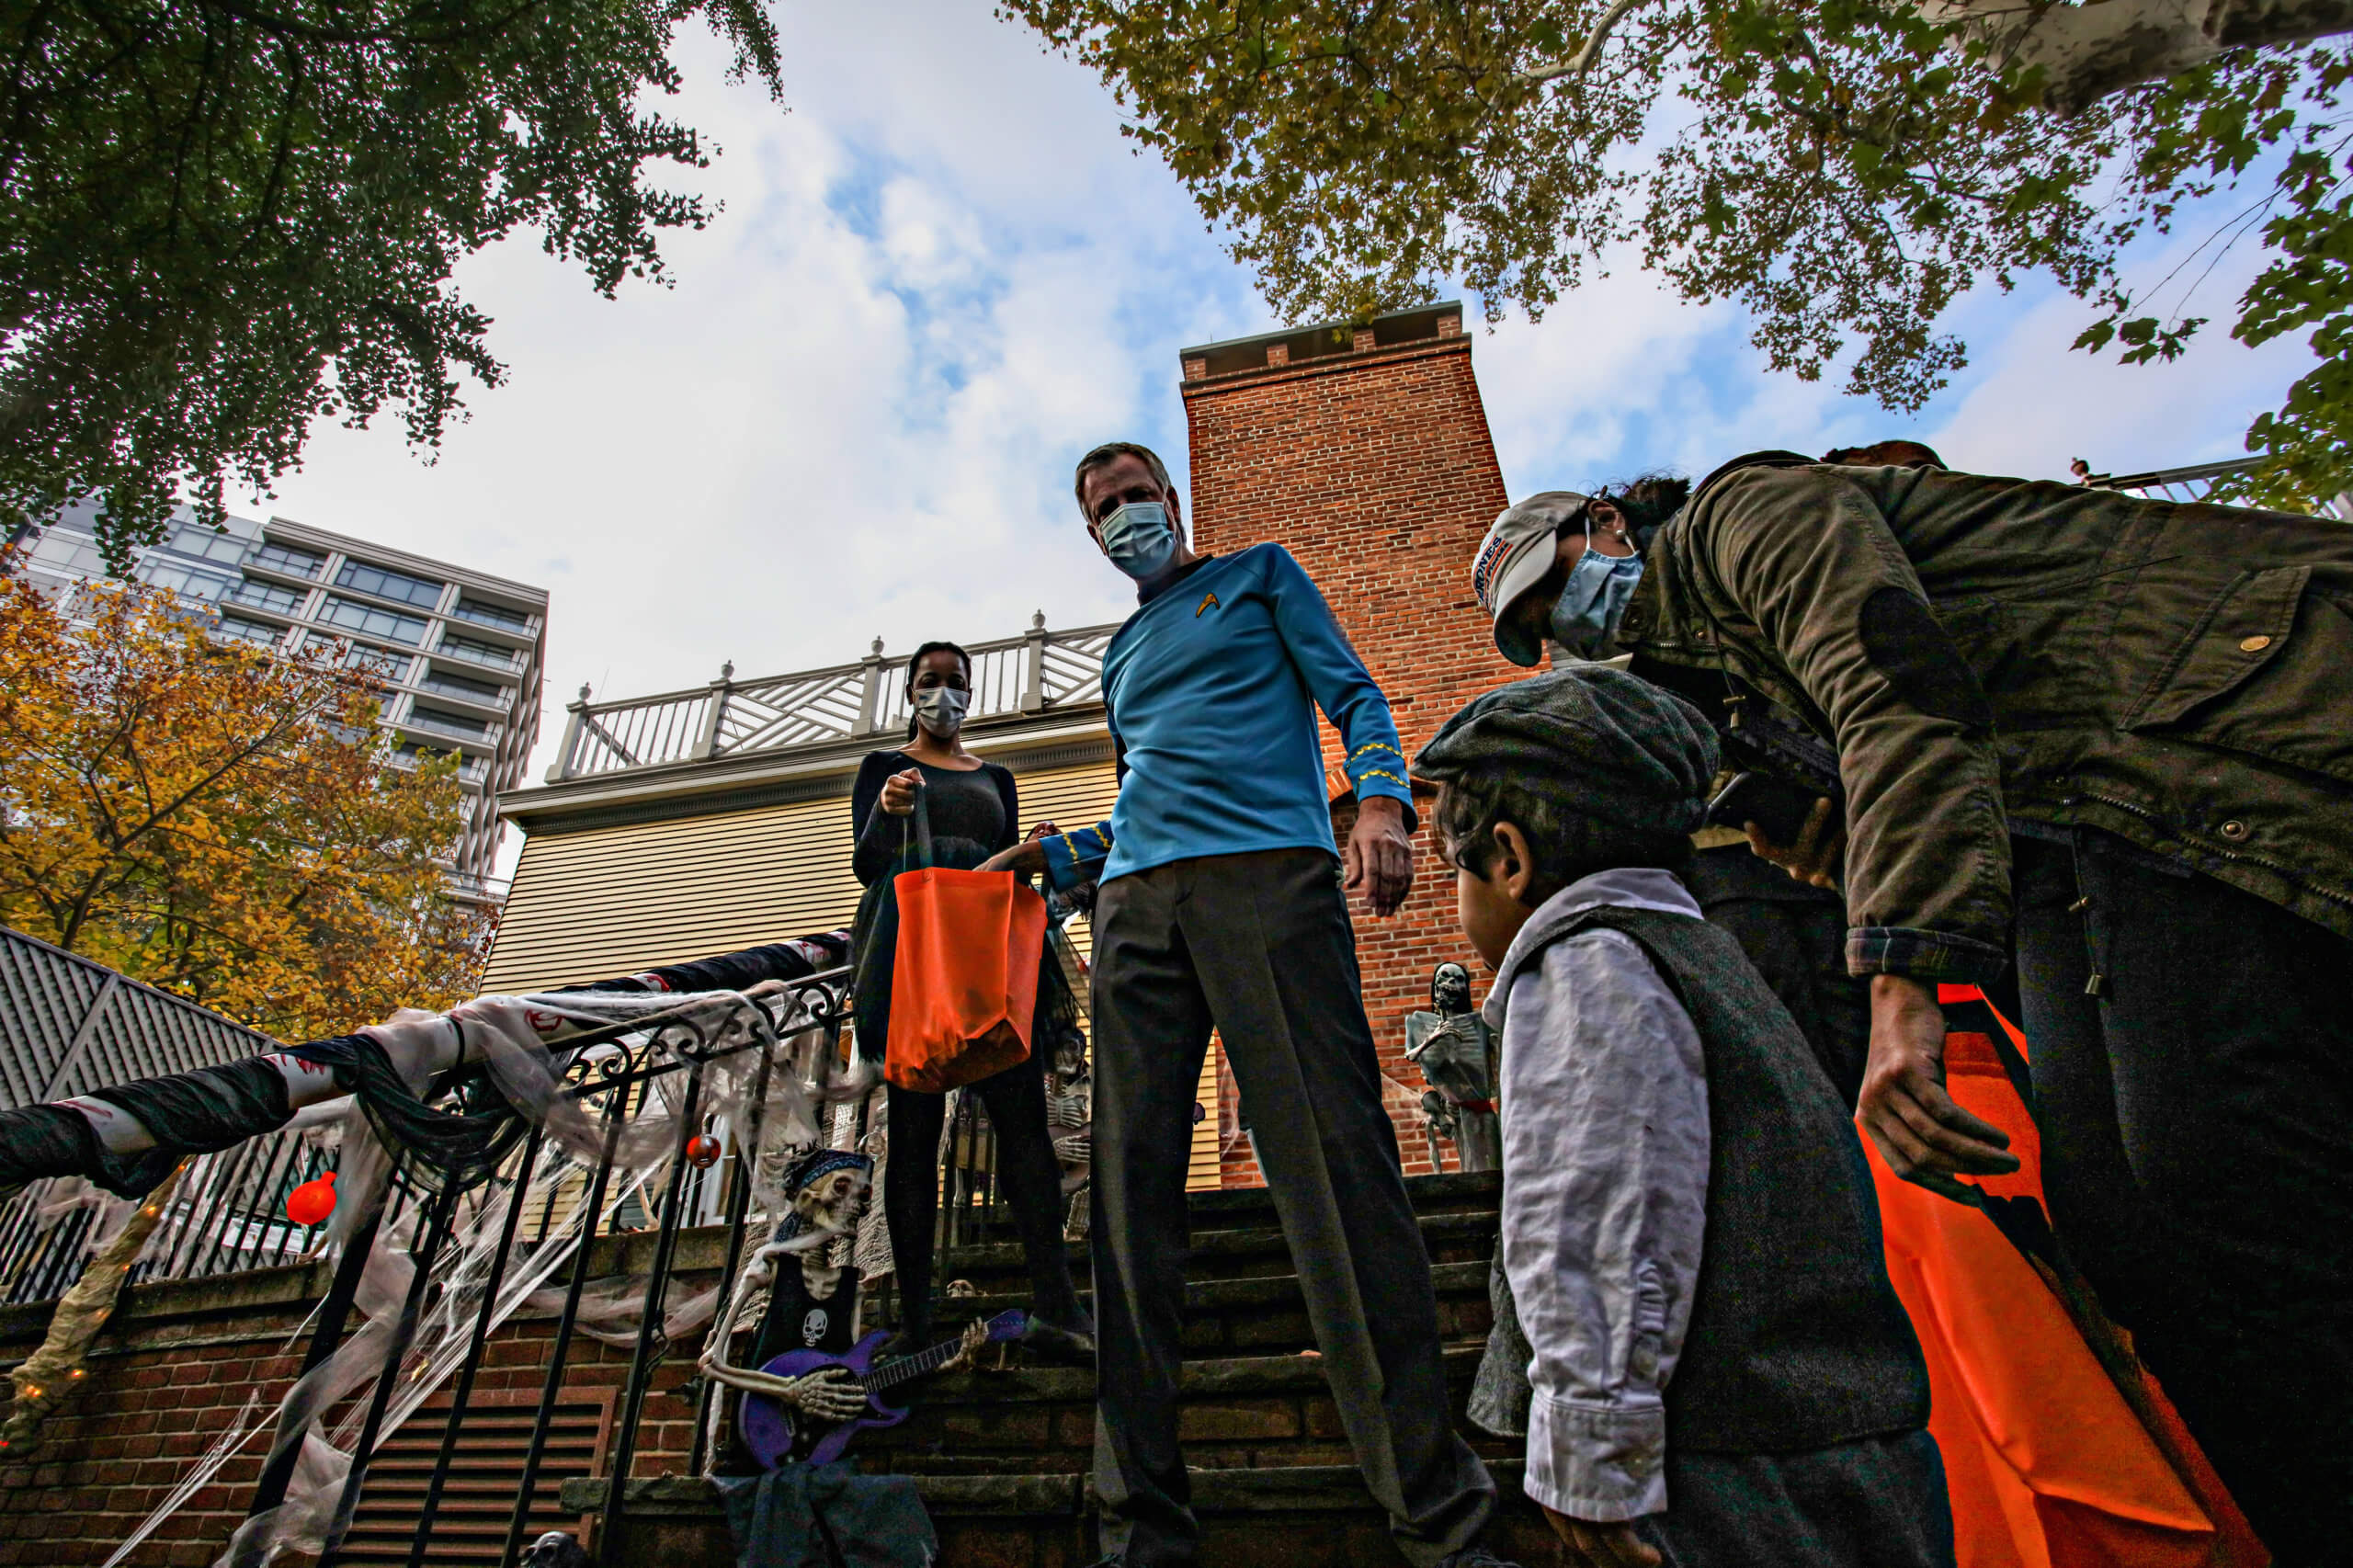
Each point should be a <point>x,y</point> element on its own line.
<point>827,1395</point>
<point>975,1336</point>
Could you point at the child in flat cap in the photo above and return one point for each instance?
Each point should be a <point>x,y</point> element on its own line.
<point>1720,1372</point>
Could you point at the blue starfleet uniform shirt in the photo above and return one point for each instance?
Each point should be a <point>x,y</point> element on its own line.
<point>1213,687</point>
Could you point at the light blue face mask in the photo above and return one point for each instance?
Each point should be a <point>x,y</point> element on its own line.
<point>1585,617</point>
<point>1140,539</point>
<point>940,709</point>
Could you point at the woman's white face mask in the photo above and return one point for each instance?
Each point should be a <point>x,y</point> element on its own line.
<point>940,711</point>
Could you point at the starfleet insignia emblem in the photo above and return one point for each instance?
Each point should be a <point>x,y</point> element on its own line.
<point>1209,603</point>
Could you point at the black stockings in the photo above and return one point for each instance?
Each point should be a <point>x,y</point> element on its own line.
<point>1015,1101</point>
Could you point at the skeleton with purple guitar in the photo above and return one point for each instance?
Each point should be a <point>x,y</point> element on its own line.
<point>815,1389</point>
<point>844,1394</point>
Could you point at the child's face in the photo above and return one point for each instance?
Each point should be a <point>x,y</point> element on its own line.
<point>1492,904</point>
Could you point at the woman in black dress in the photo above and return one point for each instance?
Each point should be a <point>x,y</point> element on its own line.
<point>974,814</point>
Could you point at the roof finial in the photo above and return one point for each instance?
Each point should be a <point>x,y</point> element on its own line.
<point>727,670</point>
<point>1038,621</point>
<point>878,645</point>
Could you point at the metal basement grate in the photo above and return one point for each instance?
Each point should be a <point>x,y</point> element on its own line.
<point>486,1475</point>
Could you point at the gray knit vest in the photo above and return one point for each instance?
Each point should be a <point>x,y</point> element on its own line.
<point>1797,1339</point>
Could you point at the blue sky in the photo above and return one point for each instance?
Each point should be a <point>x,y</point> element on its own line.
<point>941,275</point>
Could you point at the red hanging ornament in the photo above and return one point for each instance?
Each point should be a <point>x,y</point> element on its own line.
<point>312,1201</point>
<point>702,1150</point>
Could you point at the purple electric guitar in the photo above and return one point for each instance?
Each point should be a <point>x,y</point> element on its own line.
<point>770,1431</point>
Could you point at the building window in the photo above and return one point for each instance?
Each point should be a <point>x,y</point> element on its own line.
<point>393,627</point>
<point>449,724</point>
<point>287,559</point>
<point>187,578</point>
<point>69,553</point>
<point>206,544</point>
<point>480,652</point>
<point>470,770</point>
<point>387,584</point>
<point>266,596</point>
<point>449,685</point>
<point>387,667</point>
<point>493,615</point>
<point>245,630</point>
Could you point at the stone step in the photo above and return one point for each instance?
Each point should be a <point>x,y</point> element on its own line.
<point>1450,1237</point>
<point>1296,1517</point>
<point>1262,1314</point>
<point>1218,1210</point>
<point>1000,1454</point>
<point>1235,1413</point>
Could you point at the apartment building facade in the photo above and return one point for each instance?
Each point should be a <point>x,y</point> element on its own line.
<point>459,651</point>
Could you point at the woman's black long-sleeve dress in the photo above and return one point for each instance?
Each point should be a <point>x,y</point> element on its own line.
<point>973,816</point>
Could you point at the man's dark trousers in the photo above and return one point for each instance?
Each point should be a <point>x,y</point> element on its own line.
<point>1796,936</point>
<point>1258,945</point>
<point>2193,1081</point>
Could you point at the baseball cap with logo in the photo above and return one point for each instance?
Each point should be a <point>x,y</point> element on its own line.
<point>1514,558</point>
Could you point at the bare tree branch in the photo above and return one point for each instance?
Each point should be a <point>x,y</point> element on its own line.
<point>2089,51</point>
<point>1585,55</point>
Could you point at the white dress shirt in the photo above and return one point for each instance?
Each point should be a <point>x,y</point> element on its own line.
<point>1604,1127</point>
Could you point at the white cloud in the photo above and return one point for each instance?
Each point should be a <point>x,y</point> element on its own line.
<point>853,415</point>
<point>942,276</point>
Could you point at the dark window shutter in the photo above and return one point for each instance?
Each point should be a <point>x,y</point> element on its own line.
<point>485,1476</point>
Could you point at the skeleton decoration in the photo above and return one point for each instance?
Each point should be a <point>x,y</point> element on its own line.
<point>555,1549</point>
<point>1070,1111</point>
<point>1456,1051</point>
<point>825,1189</point>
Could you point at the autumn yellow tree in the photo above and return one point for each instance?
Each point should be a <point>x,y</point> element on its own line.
<point>220,820</point>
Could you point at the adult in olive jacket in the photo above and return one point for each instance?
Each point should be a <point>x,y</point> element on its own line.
<point>2114,735</point>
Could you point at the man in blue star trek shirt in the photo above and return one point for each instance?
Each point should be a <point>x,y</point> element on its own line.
<point>1222,908</point>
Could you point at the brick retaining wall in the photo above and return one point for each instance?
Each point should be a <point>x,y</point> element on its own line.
<point>176,1365</point>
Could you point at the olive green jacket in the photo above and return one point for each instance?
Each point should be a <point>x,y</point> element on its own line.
<point>1983,649</point>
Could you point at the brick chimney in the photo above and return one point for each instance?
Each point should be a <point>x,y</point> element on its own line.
<point>1364,450</point>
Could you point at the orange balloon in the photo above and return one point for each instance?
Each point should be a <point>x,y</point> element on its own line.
<point>312,1201</point>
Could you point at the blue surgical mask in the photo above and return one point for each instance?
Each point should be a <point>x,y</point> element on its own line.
<point>1585,617</point>
<point>1140,539</point>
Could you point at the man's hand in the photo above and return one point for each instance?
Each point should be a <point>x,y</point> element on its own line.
<point>1027,859</point>
<point>899,791</point>
<point>1925,1136</point>
<point>1602,1545</point>
<point>1819,856</point>
<point>1380,857</point>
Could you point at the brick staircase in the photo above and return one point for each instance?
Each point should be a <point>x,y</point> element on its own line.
<point>1001,1453</point>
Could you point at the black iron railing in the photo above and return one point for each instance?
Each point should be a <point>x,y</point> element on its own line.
<point>671,1063</point>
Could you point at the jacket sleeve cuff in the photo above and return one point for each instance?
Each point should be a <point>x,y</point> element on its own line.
<point>1075,857</point>
<point>1379,768</point>
<point>1924,955</point>
<point>1590,1462</point>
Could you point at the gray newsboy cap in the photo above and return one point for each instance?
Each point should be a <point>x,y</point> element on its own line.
<point>1612,745</point>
